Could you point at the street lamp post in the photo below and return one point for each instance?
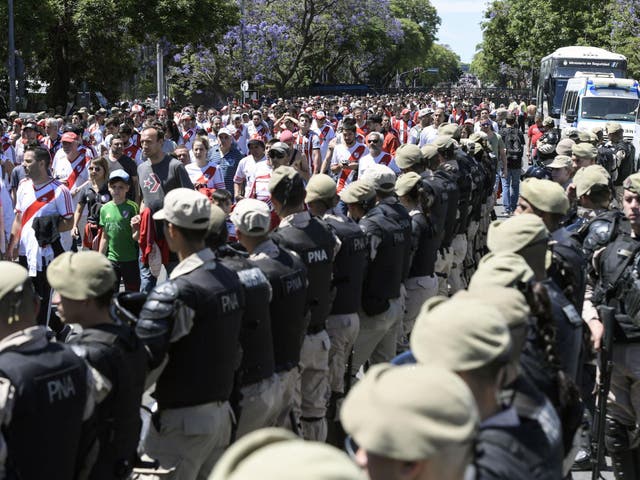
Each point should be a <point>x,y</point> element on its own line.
<point>12,60</point>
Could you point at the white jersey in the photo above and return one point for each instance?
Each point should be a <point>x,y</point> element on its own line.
<point>325,135</point>
<point>383,158</point>
<point>257,176</point>
<point>428,135</point>
<point>52,198</point>
<point>206,176</point>
<point>240,135</point>
<point>344,155</point>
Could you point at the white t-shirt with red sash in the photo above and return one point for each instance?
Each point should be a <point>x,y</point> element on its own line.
<point>382,158</point>
<point>133,151</point>
<point>241,137</point>
<point>261,131</point>
<point>326,133</point>
<point>187,138</point>
<point>207,176</point>
<point>52,198</point>
<point>343,154</point>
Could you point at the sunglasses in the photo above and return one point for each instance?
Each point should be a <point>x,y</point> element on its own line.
<point>273,154</point>
<point>373,141</point>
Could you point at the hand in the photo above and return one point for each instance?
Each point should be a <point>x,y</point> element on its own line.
<point>12,253</point>
<point>75,231</point>
<point>597,330</point>
<point>135,221</point>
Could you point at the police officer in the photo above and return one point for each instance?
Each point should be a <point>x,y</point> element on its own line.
<point>275,454</point>
<point>382,302</point>
<point>349,267</point>
<point>288,307</point>
<point>624,154</point>
<point>190,326</point>
<point>257,403</point>
<point>470,337</point>
<point>421,283</point>
<point>316,244</point>
<point>617,284</point>
<point>411,421</point>
<point>83,283</point>
<point>45,390</point>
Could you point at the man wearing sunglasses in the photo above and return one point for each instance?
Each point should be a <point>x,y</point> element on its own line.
<point>376,155</point>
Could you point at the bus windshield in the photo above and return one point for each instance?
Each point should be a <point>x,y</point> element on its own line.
<point>608,108</point>
<point>561,86</point>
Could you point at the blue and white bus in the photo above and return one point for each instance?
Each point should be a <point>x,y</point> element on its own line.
<point>557,68</point>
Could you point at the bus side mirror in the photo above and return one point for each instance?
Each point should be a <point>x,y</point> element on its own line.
<point>571,116</point>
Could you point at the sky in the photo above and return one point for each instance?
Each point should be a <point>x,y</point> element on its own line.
<point>460,27</point>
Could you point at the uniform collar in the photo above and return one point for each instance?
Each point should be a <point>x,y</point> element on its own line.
<point>32,338</point>
<point>193,261</point>
<point>268,248</point>
<point>298,219</point>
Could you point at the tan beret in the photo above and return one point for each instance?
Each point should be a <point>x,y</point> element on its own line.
<point>252,217</point>
<point>588,177</point>
<point>515,233</point>
<point>406,182</point>
<point>408,155</point>
<point>632,183</point>
<point>545,195</point>
<point>82,275</point>
<point>586,137</point>
<point>460,334</point>
<point>410,412</point>
<point>585,151</point>
<point>561,161</point>
<point>503,269</point>
<point>548,122</point>
<point>358,191</point>
<point>276,454</point>
<point>279,174</point>
<point>320,187</point>
<point>511,302</point>
<point>429,152</point>
<point>597,129</point>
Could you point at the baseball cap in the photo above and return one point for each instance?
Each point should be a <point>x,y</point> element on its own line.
<point>252,217</point>
<point>358,191</point>
<point>277,454</point>
<point>564,147</point>
<point>224,131</point>
<point>545,195</point>
<point>81,275</point>
<point>504,269</point>
<point>280,147</point>
<point>561,161</point>
<point>425,112</point>
<point>320,187</point>
<point>185,208</point>
<point>460,334</point>
<point>588,177</point>
<point>584,150</point>
<point>406,182</point>
<point>286,136</point>
<point>515,233</point>
<point>632,183</point>
<point>405,111</point>
<point>119,174</point>
<point>279,174</point>
<point>382,177</point>
<point>69,137</point>
<point>32,125</point>
<point>613,127</point>
<point>320,114</point>
<point>12,276</point>
<point>410,412</point>
<point>408,155</point>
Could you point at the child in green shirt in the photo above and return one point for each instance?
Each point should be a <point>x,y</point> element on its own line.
<point>117,242</point>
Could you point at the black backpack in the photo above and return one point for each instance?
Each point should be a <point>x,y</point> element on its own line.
<point>514,143</point>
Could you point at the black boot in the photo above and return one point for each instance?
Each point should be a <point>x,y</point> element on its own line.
<point>624,459</point>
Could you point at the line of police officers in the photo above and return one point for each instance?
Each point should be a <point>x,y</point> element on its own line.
<point>274,333</point>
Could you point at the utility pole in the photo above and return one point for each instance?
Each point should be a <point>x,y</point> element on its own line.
<point>12,60</point>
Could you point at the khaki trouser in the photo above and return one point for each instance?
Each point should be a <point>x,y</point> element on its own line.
<point>290,402</point>
<point>314,383</point>
<point>377,338</point>
<point>458,252</point>
<point>472,245</point>
<point>191,439</point>
<point>260,405</point>
<point>419,290</point>
<point>443,269</point>
<point>343,330</point>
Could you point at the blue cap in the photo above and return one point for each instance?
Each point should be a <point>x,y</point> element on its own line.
<point>120,175</point>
